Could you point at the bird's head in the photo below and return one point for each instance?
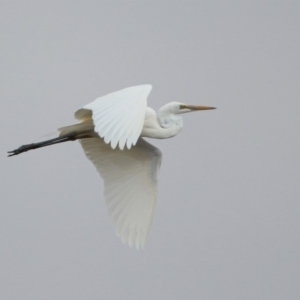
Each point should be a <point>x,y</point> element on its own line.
<point>181,108</point>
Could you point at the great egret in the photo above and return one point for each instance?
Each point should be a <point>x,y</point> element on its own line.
<point>130,173</point>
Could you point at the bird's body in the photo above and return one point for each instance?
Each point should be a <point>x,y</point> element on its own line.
<point>111,131</point>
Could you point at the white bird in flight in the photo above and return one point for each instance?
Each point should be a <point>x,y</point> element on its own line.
<point>111,131</point>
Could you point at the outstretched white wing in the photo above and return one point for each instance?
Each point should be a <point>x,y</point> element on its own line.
<point>118,117</point>
<point>130,185</point>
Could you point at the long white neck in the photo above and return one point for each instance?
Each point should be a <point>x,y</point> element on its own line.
<point>170,122</point>
<point>163,125</point>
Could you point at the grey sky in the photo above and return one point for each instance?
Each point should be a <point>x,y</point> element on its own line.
<point>227,217</point>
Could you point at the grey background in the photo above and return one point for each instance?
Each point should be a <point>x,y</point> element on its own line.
<point>227,218</point>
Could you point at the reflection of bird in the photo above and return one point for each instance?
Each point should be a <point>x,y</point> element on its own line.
<point>130,170</point>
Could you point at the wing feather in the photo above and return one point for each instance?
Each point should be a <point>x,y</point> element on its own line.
<point>130,185</point>
<point>119,117</point>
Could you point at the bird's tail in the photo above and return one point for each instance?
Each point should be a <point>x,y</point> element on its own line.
<point>68,133</point>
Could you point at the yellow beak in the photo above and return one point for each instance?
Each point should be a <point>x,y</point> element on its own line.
<point>192,107</point>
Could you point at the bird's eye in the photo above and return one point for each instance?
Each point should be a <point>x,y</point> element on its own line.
<point>181,106</point>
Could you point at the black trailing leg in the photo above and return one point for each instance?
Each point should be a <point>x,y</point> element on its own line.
<point>69,137</point>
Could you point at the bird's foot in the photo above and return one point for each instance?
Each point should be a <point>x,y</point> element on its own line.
<point>21,149</point>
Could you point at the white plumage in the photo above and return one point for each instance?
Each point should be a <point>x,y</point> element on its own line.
<point>130,181</point>
<point>110,131</point>
<point>119,116</point>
